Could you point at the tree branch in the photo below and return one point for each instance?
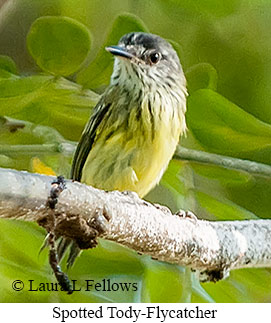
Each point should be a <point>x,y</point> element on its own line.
<point>53,142</point>
<point>224,161</point>
<point>83,213</point>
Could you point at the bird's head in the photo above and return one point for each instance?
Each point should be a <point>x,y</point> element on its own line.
<point>146,59</point>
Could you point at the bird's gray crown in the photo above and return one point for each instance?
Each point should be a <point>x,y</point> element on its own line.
<point>142,44</point>
<point>148,41</point>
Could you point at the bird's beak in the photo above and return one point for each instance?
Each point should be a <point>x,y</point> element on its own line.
<point>120,52</point>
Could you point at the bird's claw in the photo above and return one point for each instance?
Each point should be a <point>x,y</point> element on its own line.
<point>187,215</point>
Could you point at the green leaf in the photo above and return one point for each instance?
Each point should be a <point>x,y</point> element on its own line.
<point>243,285</point>
<point>222,127</point>
<point>162,282</point>
<point>99,71</point>
<point>7,64</point>
<point>59,45</point>
<point>221,209</point>
<point>201,76</point>
<point>47,100</point>
<point>19,87</point>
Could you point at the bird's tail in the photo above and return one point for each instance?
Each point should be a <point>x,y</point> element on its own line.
<point>64,244</point>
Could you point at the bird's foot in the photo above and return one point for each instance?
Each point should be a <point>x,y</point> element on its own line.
<point>187,215</point>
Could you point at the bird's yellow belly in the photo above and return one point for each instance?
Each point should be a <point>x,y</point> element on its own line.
<point>136,164</point>
<point>151,167</point>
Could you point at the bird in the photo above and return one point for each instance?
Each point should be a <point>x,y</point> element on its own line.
<point>135,127</point>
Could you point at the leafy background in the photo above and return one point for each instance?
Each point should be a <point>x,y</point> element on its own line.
<point>224,46</point>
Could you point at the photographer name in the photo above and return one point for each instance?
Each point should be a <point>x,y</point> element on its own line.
<point>105,285</point>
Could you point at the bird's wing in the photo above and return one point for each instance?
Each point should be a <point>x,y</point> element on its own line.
<point>88,137</point>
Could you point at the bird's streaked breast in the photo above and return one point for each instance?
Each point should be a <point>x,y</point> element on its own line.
<point>135,155</point>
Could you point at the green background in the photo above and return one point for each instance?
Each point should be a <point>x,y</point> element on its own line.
<point>224,47</point>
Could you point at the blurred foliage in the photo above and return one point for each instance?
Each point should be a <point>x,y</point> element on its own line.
<point>224,46</point>
<point>59,45</point>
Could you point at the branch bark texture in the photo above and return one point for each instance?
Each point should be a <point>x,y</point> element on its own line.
<point>84,213</point>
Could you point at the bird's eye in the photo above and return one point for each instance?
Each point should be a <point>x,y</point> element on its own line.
<point>154,57</point>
